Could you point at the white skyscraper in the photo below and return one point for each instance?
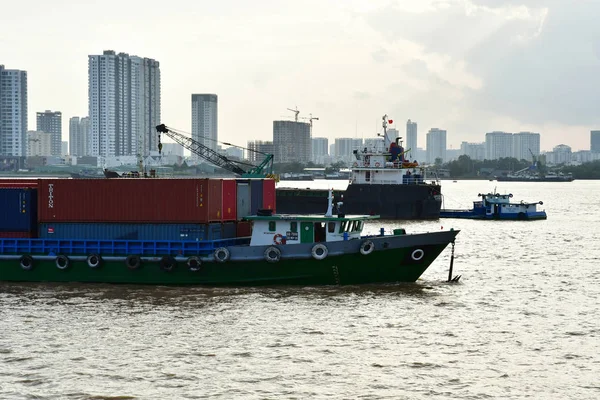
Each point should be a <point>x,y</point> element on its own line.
<point>78,136</point>
<point>498,145</point>
<point>436,145</point>
<point>524,144</point>
<point>320,149</point>
<point>124,104</point>
<point>411,139</point>
<point>13,112</point>
<point>205,125</point>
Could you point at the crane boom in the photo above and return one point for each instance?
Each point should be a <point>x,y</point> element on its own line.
<point>263,170</point>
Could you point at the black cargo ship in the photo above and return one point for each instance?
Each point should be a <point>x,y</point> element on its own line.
<point>382,182</point>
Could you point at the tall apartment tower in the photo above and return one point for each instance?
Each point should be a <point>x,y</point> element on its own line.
<point>291,142</point>
<point>78,136</point>
<point>51,123</point>
<point>595,141</point>
<point>436,145</point>
<point>124,104</point>
<point>524,144</point>
<point>205,125</point>
<point>13,112</point>
<point>411,139</point>
<point>320,150</point>
<point>498,145</point>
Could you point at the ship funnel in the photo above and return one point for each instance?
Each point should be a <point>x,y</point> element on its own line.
<point>329,212</point>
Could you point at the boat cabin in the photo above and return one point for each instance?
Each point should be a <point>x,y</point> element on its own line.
<point>294,229</point>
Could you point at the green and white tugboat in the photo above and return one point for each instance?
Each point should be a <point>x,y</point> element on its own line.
<point>282,250</point>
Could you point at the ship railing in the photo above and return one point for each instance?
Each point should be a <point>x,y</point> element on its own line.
<point>114,247</point>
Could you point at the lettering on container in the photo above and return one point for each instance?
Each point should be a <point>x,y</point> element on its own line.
<point>50,195</point>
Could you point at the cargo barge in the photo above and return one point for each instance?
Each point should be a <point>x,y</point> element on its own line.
<point>279,249</point>
<point>384,182</point>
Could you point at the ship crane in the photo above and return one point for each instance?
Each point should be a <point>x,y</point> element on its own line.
<point>240,168</point>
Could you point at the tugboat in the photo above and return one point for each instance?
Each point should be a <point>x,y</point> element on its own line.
<point>384,183</point>
<point>498,206</point>
<point>282,250</point>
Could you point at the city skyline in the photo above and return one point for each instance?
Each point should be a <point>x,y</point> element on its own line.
<point>467,67</point>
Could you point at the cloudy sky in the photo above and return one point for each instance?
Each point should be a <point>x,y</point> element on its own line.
<point>467,66</point>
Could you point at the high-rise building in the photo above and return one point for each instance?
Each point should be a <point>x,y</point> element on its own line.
<point>344,148</point>
<point>257,150</point>
<point>525,144</point>
<point>291,141</point>
<point>64,148</point>
<point>498,145</point>
<point>39,144</point>
<point>320,149</point>
<point>124,104</point>
<point>475,151</point>
<point>205,127</point>
<point>78,136</point>
<point>595,141</point>
<point>411,139</point>
<point>13,112</point>
<point>51,122</point>
<point>436,145</point>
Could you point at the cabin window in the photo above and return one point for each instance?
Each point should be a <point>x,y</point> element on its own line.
<point>294,226</point>
<point>355,226</point>
<point>343,226</point>
<point>331,227</point>
<point>272,226</point>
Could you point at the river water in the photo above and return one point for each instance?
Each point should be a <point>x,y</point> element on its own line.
<point>523,322</point>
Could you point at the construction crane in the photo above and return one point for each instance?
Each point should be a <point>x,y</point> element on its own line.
<point>311,119</point>
<point>240,168</point>
<point>296,112</point>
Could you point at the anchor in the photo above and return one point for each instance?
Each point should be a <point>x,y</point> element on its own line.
<point>457,277</point>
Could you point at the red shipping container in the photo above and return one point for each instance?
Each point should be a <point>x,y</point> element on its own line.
<point>124,200</point>
<point>18,183</point>
<point>215,200</point>
<point>229,200</point>
<point>269,194</point>
<point>17,235</point>
<point>244,228</point>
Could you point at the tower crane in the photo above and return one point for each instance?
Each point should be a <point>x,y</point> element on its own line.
<point>240,168</point>
<point>311,119</point>
<point>296,112</point>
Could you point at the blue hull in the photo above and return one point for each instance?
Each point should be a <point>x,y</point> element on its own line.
<point>470,214</point>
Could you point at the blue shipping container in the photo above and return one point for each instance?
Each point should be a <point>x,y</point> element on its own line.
<point>243,199</point>
<point>116,231</point>
<point>18,210</point>
<point>256,193</point>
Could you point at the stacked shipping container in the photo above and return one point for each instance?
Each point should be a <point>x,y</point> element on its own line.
<point>136,209</point>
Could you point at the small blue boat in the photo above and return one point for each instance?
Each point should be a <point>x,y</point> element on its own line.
<point>498,206</point>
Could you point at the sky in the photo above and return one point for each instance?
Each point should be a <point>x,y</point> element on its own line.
<point>466,66</point>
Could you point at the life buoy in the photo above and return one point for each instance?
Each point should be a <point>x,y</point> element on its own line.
<point>221,254</point>
<point>194,263</point>
<point>94,260</point>
<point>319,251</point>
<point>26,262</point>
<point>133,262</point>
<point>417,255</point>
<point>367,247</point>
<point>167,263</point>
<point>62,262</point>
<point>278,238</point>
<point>355,164</point>
<point>377,165</point>
<point>272,254</point>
